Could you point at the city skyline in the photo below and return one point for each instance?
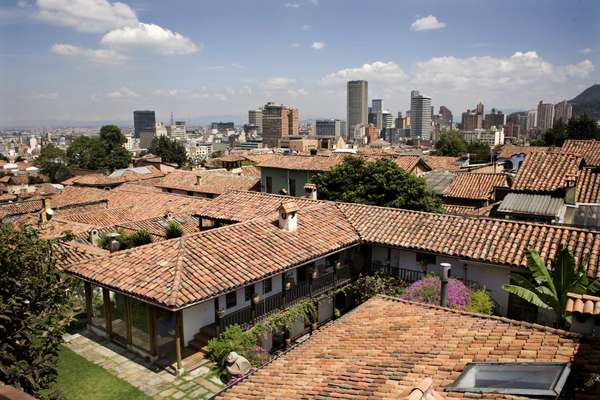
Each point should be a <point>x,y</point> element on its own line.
<point>99,60</point>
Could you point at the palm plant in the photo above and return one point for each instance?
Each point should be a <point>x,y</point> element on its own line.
<point>547,288</point>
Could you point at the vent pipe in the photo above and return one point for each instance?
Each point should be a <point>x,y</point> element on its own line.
<point>444,275</point>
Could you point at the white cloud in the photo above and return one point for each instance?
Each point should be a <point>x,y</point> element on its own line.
<point>295,45</point>
<point>427,23</point>
<point>104,56</point>
<point>292,5</point>
<point>45,96</point>
<point>122,93</point>
<point>318,45</point>
<point>519,70</point>
<point>278,83</point>
<point>586,50</point>
<point>315,2</point>
<point>86,15</point>
<point>306,27</point>
<point>23,4</point>
<point>149,37</point>
<point>378,71</point>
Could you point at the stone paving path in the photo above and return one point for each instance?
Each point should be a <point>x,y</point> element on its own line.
<point>200,383</point>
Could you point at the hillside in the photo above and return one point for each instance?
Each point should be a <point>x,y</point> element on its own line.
<point>588,102</point>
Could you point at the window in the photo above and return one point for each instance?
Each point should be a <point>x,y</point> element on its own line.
<point>426,258</point>
<point>140,324</point>
<point>292,184</point>
<point>248,292</point>
<point>267,285</point>
<point>98,314</point>
<point>532,379</point>
<point>269,184</point>
<point>231,299</point>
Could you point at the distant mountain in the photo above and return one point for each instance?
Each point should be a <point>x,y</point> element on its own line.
<point>588,102</point>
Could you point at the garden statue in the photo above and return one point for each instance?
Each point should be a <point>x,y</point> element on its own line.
<point>236,364</point>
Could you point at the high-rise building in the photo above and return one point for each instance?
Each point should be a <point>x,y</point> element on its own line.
<point>255,119</point>
<point>420,115</point>
<point>222,127</point>
<point>446,116</point>
<point>545,116</point>
<point>563,110</point>
<point>328,128</point>
<point>399,121</point>
<point>177,131</point>
<point>160,129</point>
<point>479,108</point>
<point>494,118</point>
<point>531,119</point>
<point>356,106</point>
<point>471,120</point>
<point>143,120</point>
<point>278,122</point>
<point>387,120</point>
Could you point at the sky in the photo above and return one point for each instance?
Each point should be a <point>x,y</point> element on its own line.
<point>83,61</point>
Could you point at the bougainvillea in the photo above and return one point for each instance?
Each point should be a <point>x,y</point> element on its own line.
<point>427,290</point>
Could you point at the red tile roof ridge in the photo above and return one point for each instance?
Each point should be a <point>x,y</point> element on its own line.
<point>178,271</point>
<point>539,327</point>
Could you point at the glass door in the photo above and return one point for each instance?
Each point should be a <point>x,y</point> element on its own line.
<point>118,316</point>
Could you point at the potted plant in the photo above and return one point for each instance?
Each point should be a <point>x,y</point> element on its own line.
<point>220,313</point>
<point>255,298</point>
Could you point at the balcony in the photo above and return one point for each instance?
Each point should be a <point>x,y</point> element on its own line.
<point>406,275</point>
<point>298,292</point>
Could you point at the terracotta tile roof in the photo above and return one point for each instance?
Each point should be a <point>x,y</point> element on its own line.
<point>116,178</point>
<point>409,163</point>
<point>588,186</point>
<point>210,182</point>
<point>487,240</point>
<point>469,210</point>
<point>442,163</point>
<point>250,170</point>
<point>156,226</point>
<point>467,185</point>
<point>589,149</point>
<point>316,163</point>
<point>509,150</point>
<point>22,207</point>
<point>385,347</point>
<point>75,253</point>
<point>177,272</point>
<point>547,172</point>
<point>100,218</point>
<point>582,303</point>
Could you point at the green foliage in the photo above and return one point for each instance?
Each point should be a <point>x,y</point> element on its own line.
<point>380,182</point>
<point>103,152</point>
<point>52,162</point>
<point>35,309</point>
<point>479,152</point>
<point>547,288</point>
<point>233,338</point>
<point>481,302</point>
<point>169,150</point>
<point>34,180</point>
<point>173,230</point>
<point>367,286</point>
<point>450,143</point>
<point>581,127</point>
<point>128,240</point>
<point>282,321</point>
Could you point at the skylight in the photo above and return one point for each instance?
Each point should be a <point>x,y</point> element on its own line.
<point>535,379</point>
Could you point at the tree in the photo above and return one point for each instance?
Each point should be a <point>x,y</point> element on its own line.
<point>583,127</point>
<point>451,143</point>
<point>169,150</point>
<point>103,152</point>
<point>51,162</point>
<point>547,288</point>
<point>479,152</point>
<point>35,308</point>
<point>556,135</point>
<point>380,182</point>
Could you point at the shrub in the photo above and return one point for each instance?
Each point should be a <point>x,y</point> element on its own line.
<point>480,302</point>
<point>139,238</point>
<point>128,241</point>
<point>235,339</point>
<point>368,286</point>
<point>173,230</point>
<point>427,290</point>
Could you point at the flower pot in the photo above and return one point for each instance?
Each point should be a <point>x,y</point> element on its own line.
<point>255,299</point>
<point>288,285</point>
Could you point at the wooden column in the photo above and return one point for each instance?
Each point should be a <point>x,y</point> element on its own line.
<point>153,344</point>
<point>108,319</point>
<point>217,318</point>
<point>128,321</point>
<point>178,340</point>
<point>88,301</point>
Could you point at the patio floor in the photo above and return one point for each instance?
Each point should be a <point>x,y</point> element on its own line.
<point>160,383</point>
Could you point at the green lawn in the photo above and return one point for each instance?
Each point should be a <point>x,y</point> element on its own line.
<point>80,379</point>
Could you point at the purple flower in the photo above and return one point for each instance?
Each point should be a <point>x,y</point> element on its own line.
<point>427,290</point>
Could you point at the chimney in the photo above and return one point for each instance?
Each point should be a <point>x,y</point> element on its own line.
<point>570,193</point>
<point>198,179</point>
<point>95,237</point>
<point>46,212</point>
<point>444,275</point>
<point>168,216</point>
<point>288,221</point>
<point>310,191</point>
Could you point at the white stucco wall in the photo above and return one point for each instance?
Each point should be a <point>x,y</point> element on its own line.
<point>241,303</point>
<point>196,317</point>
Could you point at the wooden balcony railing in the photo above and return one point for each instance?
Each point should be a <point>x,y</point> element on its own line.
<point>407,275</point>
<point>300,291</point>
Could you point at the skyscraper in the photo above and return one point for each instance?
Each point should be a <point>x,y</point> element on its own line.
<point>563,110</point>
<point>143,120</point>
<point>446,115</point>
<point>494,118</point>
<point>255,119</point>
<point>531,119</point>
<point>545,116</point>
<point>278,122</point>
<point>357,110</point>
<point>375,113</point>
<point>420,115</point>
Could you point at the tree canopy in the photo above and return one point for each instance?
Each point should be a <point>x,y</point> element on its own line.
<point>35,309</point>
<point>380,182</point>
<point>450,143</point>
<point>479,152</point>
<point>169,150</point>
<point>582,127</point>
<point>52,162</point>
<point>103,152</point>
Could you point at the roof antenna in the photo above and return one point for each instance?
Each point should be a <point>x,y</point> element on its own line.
<point>171,118</point>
